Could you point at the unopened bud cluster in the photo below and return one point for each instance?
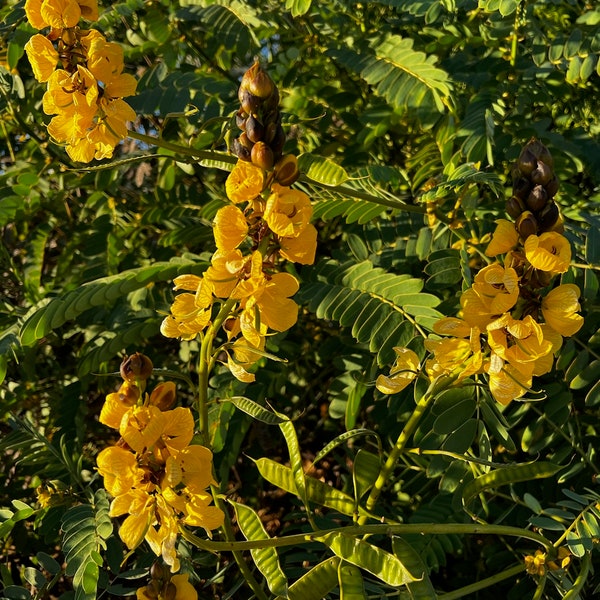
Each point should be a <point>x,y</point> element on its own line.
<point>164,586</point>
<point>262,138</point>
<point>534,187</point>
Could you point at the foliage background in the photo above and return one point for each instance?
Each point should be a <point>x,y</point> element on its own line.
<point>415,101</point>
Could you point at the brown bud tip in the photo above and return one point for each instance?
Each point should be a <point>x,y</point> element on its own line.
<point>540,151</point>
<point>254,129</point>
<point>514,207</point>
<point>542,174</point>
<point>137,366</point>
<point>240,150</point>
<point>257,82</point>
<point>250,103</point>
<point>526,224</point>
<point>527,161</point>
<point>240,118</point>
<point>286,170</point>
<point>549,216</point>
<point>521,188</point>
<point>262,156</point>
<point>537,198</point>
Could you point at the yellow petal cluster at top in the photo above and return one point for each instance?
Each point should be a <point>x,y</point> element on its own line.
<point>85,94</point>
<point>156,477</point>
<point>512,319</point>
<point>260,227</point>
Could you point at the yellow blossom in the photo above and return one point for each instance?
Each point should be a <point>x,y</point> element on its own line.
<point>536,564</point>
<point>498,288</point>
<point>559,308</point>
<point>230,228</point>
<point>507,381</point>
<point>245,182</point>
<point>225,271</point>
<point>120,470</point>
<point>58,14</point>
<point>550,252</point>
<point>42,55</point>
<point>287,211</point>
<point>504,238</point>
<point>301,248</point>
<point>403,372</point>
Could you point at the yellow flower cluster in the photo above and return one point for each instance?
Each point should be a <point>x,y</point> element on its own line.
<point>265,221</point>
<point>538,563</point>
<point>86,94</point>
<point>512,322</point>
<point>155,476</point>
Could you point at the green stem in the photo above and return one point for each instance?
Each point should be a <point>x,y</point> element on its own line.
<point>484,583</point>
<point>360,530</point>
<point>409,428</point>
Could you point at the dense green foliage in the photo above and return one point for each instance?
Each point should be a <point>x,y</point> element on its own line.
<point>397,109</point>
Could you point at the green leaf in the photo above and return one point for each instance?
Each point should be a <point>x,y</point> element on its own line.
<point>369,557</point>
<point>298,7</point>
<point>256,411</point>
<point>365,472</point>
<point>507,475</point>
<point>265,559</point>
<point>316,583</point>
<point>342,439</point>
<point>293,446</point>
<point>421,588</point>
<point>321,170</point>
<point>351,582</point>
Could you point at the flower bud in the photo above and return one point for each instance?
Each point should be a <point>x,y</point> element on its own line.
<point>521,188</point>
<point>286,170</point>
<point>526,224</point>
<point>541,152</point>
<point>240,151</point>
<point>254,129</point>
<point>163,395</point>
<point>240,118</point>
<point>514,207</point>
<point>552,187</point>
<point>537,198</point>
<point>250,103</point>
<point>159,571</point>
<point>527,161</point>
<point>549,216</point>
<point>257,82</point>
<point>135,367</point>
<point>262,156</point>
<point>542,174</point>
<point>169,591</point>
<point>278,140</point>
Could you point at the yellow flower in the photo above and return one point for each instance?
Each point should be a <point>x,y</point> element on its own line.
<point>192,467</point>
<point>89,9</point>
<point>454,355</point>
<point>42,55</point>
<point>559,308</point>
<point>245,182</point>
<point>176,588</point>
<point>507,381</point>
<point>504,238</point>
<point>117,404</point>
<point>498,288</point>
<point>225,271</point>
<point>231,228</point>
<point>518,341</point>
<point>120,470</point>
<point>287,211</point>
<point>58,14</point>
<point>302,248</point>
<point>550,252</point>
<point>452,326</point>
<point>403,372</point>
<point>536,564</point>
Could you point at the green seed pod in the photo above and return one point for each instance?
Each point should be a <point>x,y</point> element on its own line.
<point>526,224</point>
<point>254,129</point>
<point>286,170</point>
<point>537,198</point>
<point>514,207</point>
<point>262,156</point>
<point>549,216</point>
<point>542,174</point>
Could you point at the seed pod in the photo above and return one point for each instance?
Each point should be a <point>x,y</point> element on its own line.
<point>262,156</point>
<point>527,224</point>
<point>522,188</point>
<point>552,187</point>
<point>514,207</point>
<point>537,198</point>
<point>549,216</point>
<point>542,174</point>
<point>254,129</point>
<point>527,161</point>
<point>137,366</point>
<point>286,170</point>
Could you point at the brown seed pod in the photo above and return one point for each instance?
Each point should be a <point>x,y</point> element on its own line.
<point>262,156</point>
<point>526,224</point>
<point>537,198</point>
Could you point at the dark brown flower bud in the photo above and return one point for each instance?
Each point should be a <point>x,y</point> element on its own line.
<point>262,156</point>
<point>542,174</point>
<point>514,207</point>
<point>527,161</point>
<point>257,82</point>
<point>135,367</point>
<point>541,152</point>
<point>169,591</point>
<point>537,198</point>
<point>549,216</point>
<point>521,188</point>
<point>540,279</point>
<point>163,395</point>
<point>240,151</point>
<point>240,118</point>
<point>526,224</point>
<point>278,140</point>
<point>250,103</point>
<point>552,187</point>
<point>159,571</point>
<point>254,129</point>
<point>286,170</point>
